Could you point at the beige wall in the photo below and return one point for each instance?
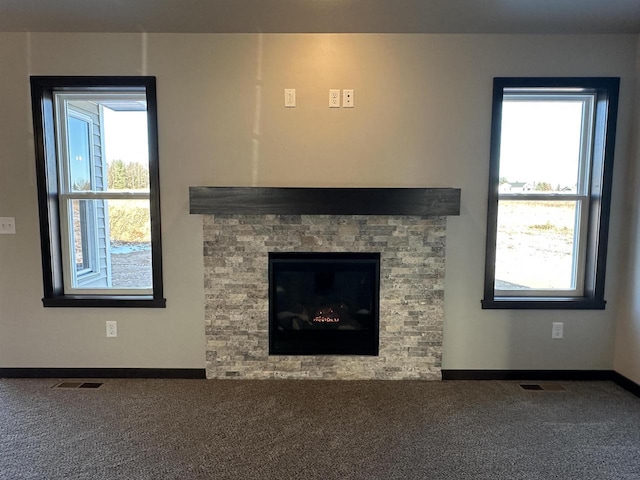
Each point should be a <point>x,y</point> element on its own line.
<point>422,118</point>
<point>627,345</point>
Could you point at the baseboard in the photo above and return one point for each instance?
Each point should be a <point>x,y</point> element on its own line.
<point>200,373</point>
<point>190,373</point>
<point>527,375</point>
<point>548,375</point>
<point>626,383</point>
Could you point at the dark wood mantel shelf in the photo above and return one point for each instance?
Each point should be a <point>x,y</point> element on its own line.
<point>324,201</point>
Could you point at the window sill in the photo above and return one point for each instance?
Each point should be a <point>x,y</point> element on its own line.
<point>115,301</point>
<point>546,303</point>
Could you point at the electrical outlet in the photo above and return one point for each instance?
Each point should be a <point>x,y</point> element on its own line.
<point>7,225</point>
<point>112,328</point>
<point>557,330</point>
<point>347,98</point>
<point>334,98</point>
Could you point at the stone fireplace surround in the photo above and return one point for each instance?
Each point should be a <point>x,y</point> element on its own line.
<point>236,247</point>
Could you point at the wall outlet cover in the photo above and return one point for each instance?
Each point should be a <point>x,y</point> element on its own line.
<point>112,328</point>
<point>557,330</point>
<point>7,225</point>
<point>334,98</point>
<point>347,98</point>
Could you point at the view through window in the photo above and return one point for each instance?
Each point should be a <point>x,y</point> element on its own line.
<point>552,148</point>
<point>104,190</point>
<point>543,192</point>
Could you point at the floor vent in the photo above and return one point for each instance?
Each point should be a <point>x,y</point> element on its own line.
<point>551,387</point>
<point>78,385</point>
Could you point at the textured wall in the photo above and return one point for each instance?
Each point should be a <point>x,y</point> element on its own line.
<point>411,293</point>
<point>222,122</point>
<point>627,347</point>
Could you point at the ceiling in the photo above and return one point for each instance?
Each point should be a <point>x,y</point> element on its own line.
<point>339,16</point>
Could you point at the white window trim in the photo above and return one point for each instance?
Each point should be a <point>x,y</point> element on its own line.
<point>67,195</point>
<point>581,198</point>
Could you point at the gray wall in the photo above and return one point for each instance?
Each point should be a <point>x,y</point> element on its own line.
<point>627,346</point>
<point>422,118</point>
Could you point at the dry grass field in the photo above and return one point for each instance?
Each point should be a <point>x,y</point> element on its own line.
<point>130,236</point>
<point>535,244</point>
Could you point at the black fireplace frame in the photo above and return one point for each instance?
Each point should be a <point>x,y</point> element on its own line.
<point>325,342</point>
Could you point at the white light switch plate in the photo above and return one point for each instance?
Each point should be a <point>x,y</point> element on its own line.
<point>289,97</point>
<point>7,225</point>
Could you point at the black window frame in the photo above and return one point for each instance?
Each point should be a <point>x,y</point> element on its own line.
<point>42,102</point>
<point>606,90</point>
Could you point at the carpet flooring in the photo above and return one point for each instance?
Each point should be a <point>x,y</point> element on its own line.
<point>216,429</point>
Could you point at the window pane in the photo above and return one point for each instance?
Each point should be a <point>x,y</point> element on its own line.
<point>130,243</point>
<point>79,136</point>
<point>126,146</point>
<point>83,249</point>
<point>535,246</point>
<point>540,146</point>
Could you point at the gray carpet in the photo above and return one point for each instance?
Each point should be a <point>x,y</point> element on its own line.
<point>197,429</point>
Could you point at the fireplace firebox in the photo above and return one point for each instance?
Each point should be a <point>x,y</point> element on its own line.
<point>324,303</point>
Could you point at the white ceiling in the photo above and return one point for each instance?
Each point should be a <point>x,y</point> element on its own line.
<point>296,16</point>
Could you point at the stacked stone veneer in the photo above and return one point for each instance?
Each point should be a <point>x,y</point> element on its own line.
<point>412,269</point>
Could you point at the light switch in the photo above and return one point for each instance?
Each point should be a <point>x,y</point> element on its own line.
<point>289,97</point>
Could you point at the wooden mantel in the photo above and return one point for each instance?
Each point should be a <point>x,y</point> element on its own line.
<point>324,201</point>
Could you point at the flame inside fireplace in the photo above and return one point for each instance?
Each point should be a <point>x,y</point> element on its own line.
<point>330,313</point>
<point>320,319</point>
<point>327,315</point>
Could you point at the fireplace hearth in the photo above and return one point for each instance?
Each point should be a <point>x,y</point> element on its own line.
<point>324,303</point>
<point>236,276</point>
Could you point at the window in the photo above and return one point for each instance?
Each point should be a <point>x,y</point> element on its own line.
<point>98,191</point>
<point>552,147</point>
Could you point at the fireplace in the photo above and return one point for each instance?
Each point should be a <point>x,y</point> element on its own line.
<point>324,303</point>
<point>244,227</point>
